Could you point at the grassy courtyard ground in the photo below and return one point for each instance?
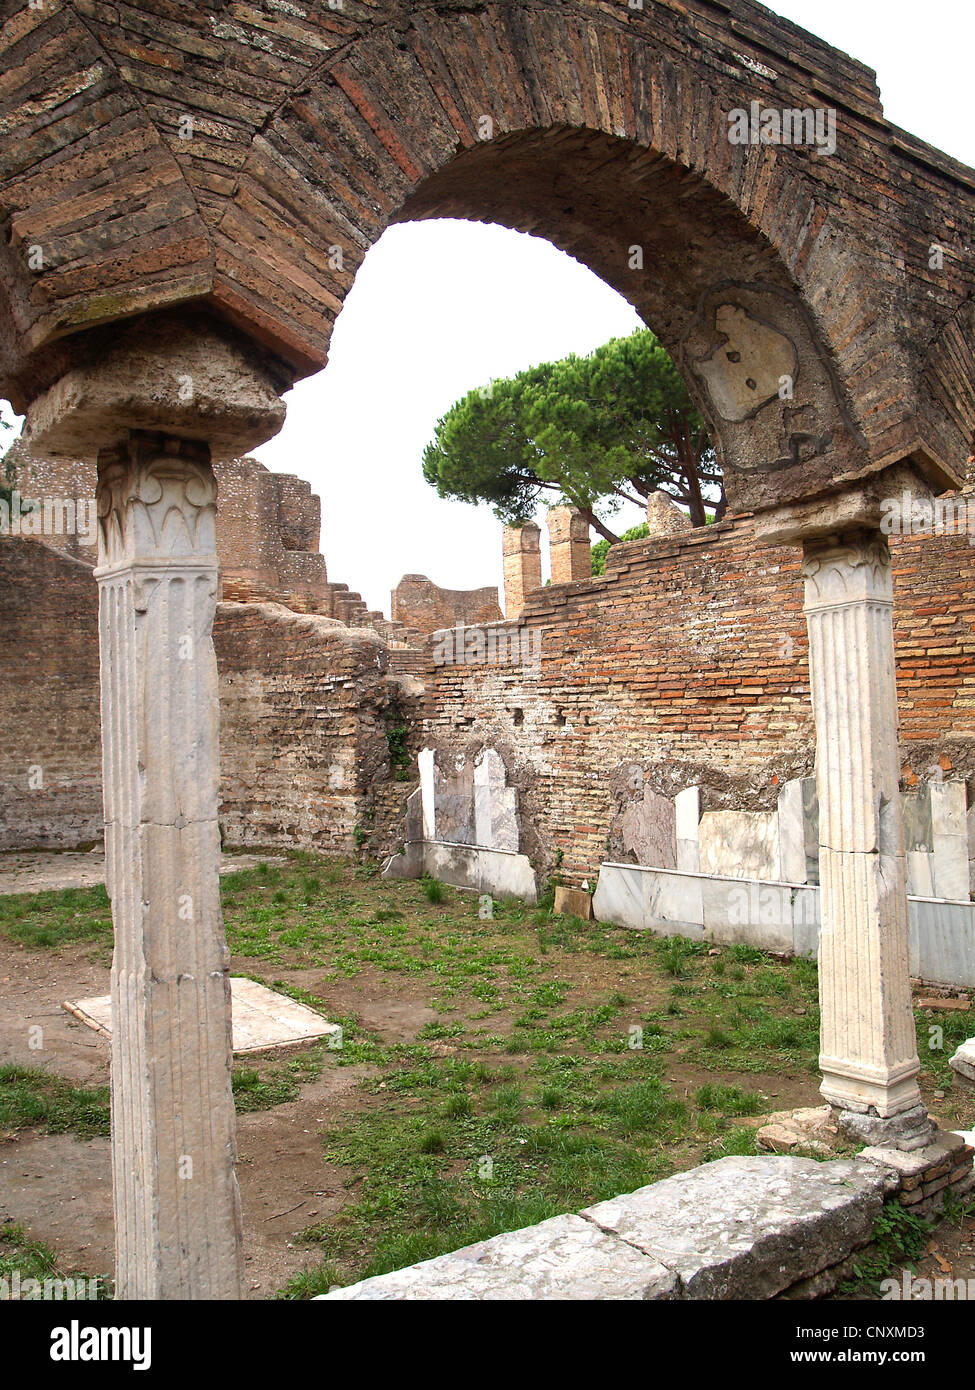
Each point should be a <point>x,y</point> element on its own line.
<point>492,1072</point>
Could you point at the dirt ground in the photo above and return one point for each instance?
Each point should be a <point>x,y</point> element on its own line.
<point>39,871</point>
<point>284,1184</point>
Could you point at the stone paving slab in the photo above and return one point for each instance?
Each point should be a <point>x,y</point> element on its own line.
<point>564,1258</point>
<point>261,1018</point>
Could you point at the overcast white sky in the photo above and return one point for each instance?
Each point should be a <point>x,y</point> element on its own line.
<point>441,307</point>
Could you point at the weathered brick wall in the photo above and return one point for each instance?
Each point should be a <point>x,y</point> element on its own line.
<point>303,704</point>
<point>690,658</point>
<point>420,604</point>
<point>268,533</point>
<point>48,700</point>
<point>302,727</point>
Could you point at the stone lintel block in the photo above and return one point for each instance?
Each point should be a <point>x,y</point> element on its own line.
<point>184,373</point>
<point>857,507</point>
<point>749,1227</point>
<point>560,1259</point>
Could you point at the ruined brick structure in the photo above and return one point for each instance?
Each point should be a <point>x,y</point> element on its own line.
<point>48,700</point>
<point>569,549</point>
<point>857,269</point>
<point>689,659</point>
<point>423,606</point>
<point>268,531</point>
<point>303,715</point>
<point>186,196</point>
<point>522,547</point>
<point>303,743</point>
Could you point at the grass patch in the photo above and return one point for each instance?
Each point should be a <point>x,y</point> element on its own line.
<point>433,890</point>
<point>568,1061</point>
<point>35,1099</point>
<point>730,1100</point>
<point>55,918</point>
<point>32,1259</point>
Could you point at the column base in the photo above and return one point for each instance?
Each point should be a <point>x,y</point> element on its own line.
<point>909,1130</point>
<point>870,1090</point>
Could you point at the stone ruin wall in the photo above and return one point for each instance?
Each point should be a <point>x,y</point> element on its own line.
<point>48,700</point>
<point>303,741</point>
<point>268,527</point>
<point>687,665</point>
<point>687,661</point>
<point>303,703</point>
<point>424,607</point>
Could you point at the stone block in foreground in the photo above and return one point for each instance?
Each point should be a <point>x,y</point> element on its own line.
<point>749,1227</point>
<point>564,1258</point>
<point>963,1062</point>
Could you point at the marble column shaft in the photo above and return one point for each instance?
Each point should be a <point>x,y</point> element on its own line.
<point>177,1205</point>
<point>869,1047</point>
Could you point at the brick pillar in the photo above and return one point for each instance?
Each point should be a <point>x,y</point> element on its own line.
<point>568,533</point>
<point>522,566</point>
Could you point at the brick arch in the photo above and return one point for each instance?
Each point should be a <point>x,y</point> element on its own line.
<point>599,138</point>
<point>314,129</point>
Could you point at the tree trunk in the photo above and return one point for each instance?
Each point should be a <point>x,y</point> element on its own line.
<point>597,525</point>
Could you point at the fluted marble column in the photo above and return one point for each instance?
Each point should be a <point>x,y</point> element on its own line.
<point>869,1047</point>
<point>177,1205</point>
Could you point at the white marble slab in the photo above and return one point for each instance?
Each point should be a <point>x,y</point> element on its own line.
<point>740,844</point>
<point>261,1018</point>
<point>774,917</point>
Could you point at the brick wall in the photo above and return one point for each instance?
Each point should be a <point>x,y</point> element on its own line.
<point>48,700</point>
<point>690,658</point>
<point>302,726</point>
<point>303,704</point>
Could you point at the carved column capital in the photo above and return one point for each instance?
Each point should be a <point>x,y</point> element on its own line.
<point>853,568</point>
<point>157,504</point>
